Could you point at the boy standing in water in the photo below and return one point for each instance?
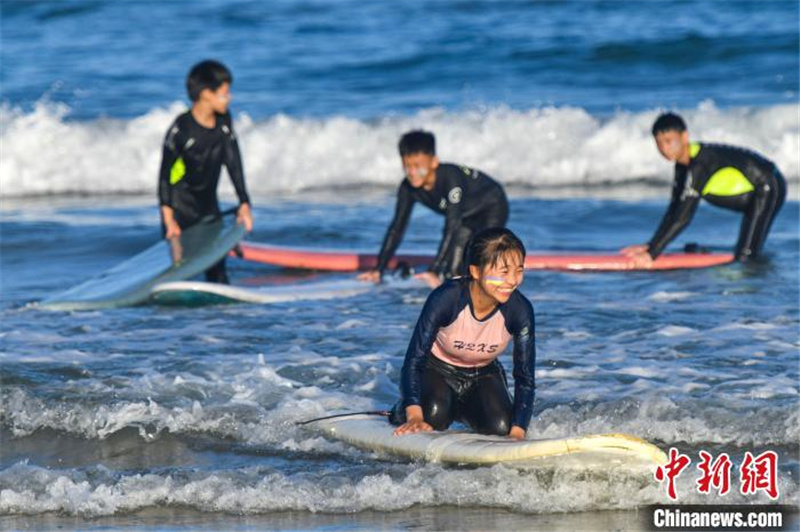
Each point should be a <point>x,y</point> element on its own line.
<point>197,144</point>
<point>732,178</point>
<point>469,199</point>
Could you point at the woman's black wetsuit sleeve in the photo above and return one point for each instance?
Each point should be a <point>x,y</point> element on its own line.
<point>437,313</point>
<point>522,328</point>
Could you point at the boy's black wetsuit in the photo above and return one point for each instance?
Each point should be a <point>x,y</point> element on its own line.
<point>470,201</point>
<point>733,178</point>
<point>190,170</point>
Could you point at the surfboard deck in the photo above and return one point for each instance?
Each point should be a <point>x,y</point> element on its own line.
<point>196,293</point>
<point>603,451</point>
<point>351,261</point>
<point>130,282</point>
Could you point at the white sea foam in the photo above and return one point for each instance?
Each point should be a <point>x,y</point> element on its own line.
<point>262,410</point>
<point>666,297</point>
<point>658,418</point>
<point>32,490</point>
<point>746,326</point>
<point>638,371</point>
<point>45,153</point>
<point>675,330</point>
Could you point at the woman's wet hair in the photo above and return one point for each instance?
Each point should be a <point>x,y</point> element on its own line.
<point>208,74</point>
<point>489,246</point>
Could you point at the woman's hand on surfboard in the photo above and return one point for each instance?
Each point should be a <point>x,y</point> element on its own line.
<point>410,427</point>
<point>244,216</point>
<point>430,278</point>
<point>373,276</point>
<point>516,433</point>
<point>415,422</point>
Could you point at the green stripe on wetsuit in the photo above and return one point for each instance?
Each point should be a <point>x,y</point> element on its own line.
<point>727,181</point>
<point>177,171</point>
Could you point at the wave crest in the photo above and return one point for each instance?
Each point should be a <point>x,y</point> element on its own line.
<point>45,153</point>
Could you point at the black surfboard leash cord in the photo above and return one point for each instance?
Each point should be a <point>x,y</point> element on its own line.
<point>384,413</point>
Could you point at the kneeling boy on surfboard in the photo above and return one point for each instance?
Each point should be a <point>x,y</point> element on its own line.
<point>197,144</point>
<point>469,199</point>
<point>726,176</point>
<point>451,370</point>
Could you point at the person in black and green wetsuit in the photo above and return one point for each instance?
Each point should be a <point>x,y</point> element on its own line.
<point>726,176</point>
<point>196,146</point>
<point>469,199</point>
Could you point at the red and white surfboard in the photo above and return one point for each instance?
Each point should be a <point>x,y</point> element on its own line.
<point>350,261</point>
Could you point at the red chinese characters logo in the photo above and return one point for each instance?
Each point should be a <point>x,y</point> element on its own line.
<point>716,474</point>
<point>757,473</point>
<point>670,471</point>
<point>760,473</point>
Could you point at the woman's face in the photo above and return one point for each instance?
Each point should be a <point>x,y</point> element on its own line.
<point>499,280</point>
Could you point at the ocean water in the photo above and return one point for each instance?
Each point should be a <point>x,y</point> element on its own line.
<point>544,95</point>
<point>148,416</point>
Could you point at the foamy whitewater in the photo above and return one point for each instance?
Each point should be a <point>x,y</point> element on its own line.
<point>106,413</point>
<point>186,418</point>
<point>551,148</point>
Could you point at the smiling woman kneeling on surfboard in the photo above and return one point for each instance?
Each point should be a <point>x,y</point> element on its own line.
<point>451,370</point>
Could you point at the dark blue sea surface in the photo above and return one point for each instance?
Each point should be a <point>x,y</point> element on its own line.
<point>153,415</point>
<point>370,59</point>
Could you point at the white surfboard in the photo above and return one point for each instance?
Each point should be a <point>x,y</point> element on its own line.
<point>191,293</point>
<point>599,451</point>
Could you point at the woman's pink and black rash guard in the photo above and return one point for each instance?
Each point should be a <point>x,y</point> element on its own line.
<point>448,330</point>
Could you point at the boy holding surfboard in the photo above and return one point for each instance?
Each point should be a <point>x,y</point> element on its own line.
<point>468,199</point>
<point>451,370</point>
<point>196,146</point>
<point>726,176</point>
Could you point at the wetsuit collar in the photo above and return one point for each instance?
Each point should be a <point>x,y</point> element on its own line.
<point>472,308</point>
<point>201,126</point>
